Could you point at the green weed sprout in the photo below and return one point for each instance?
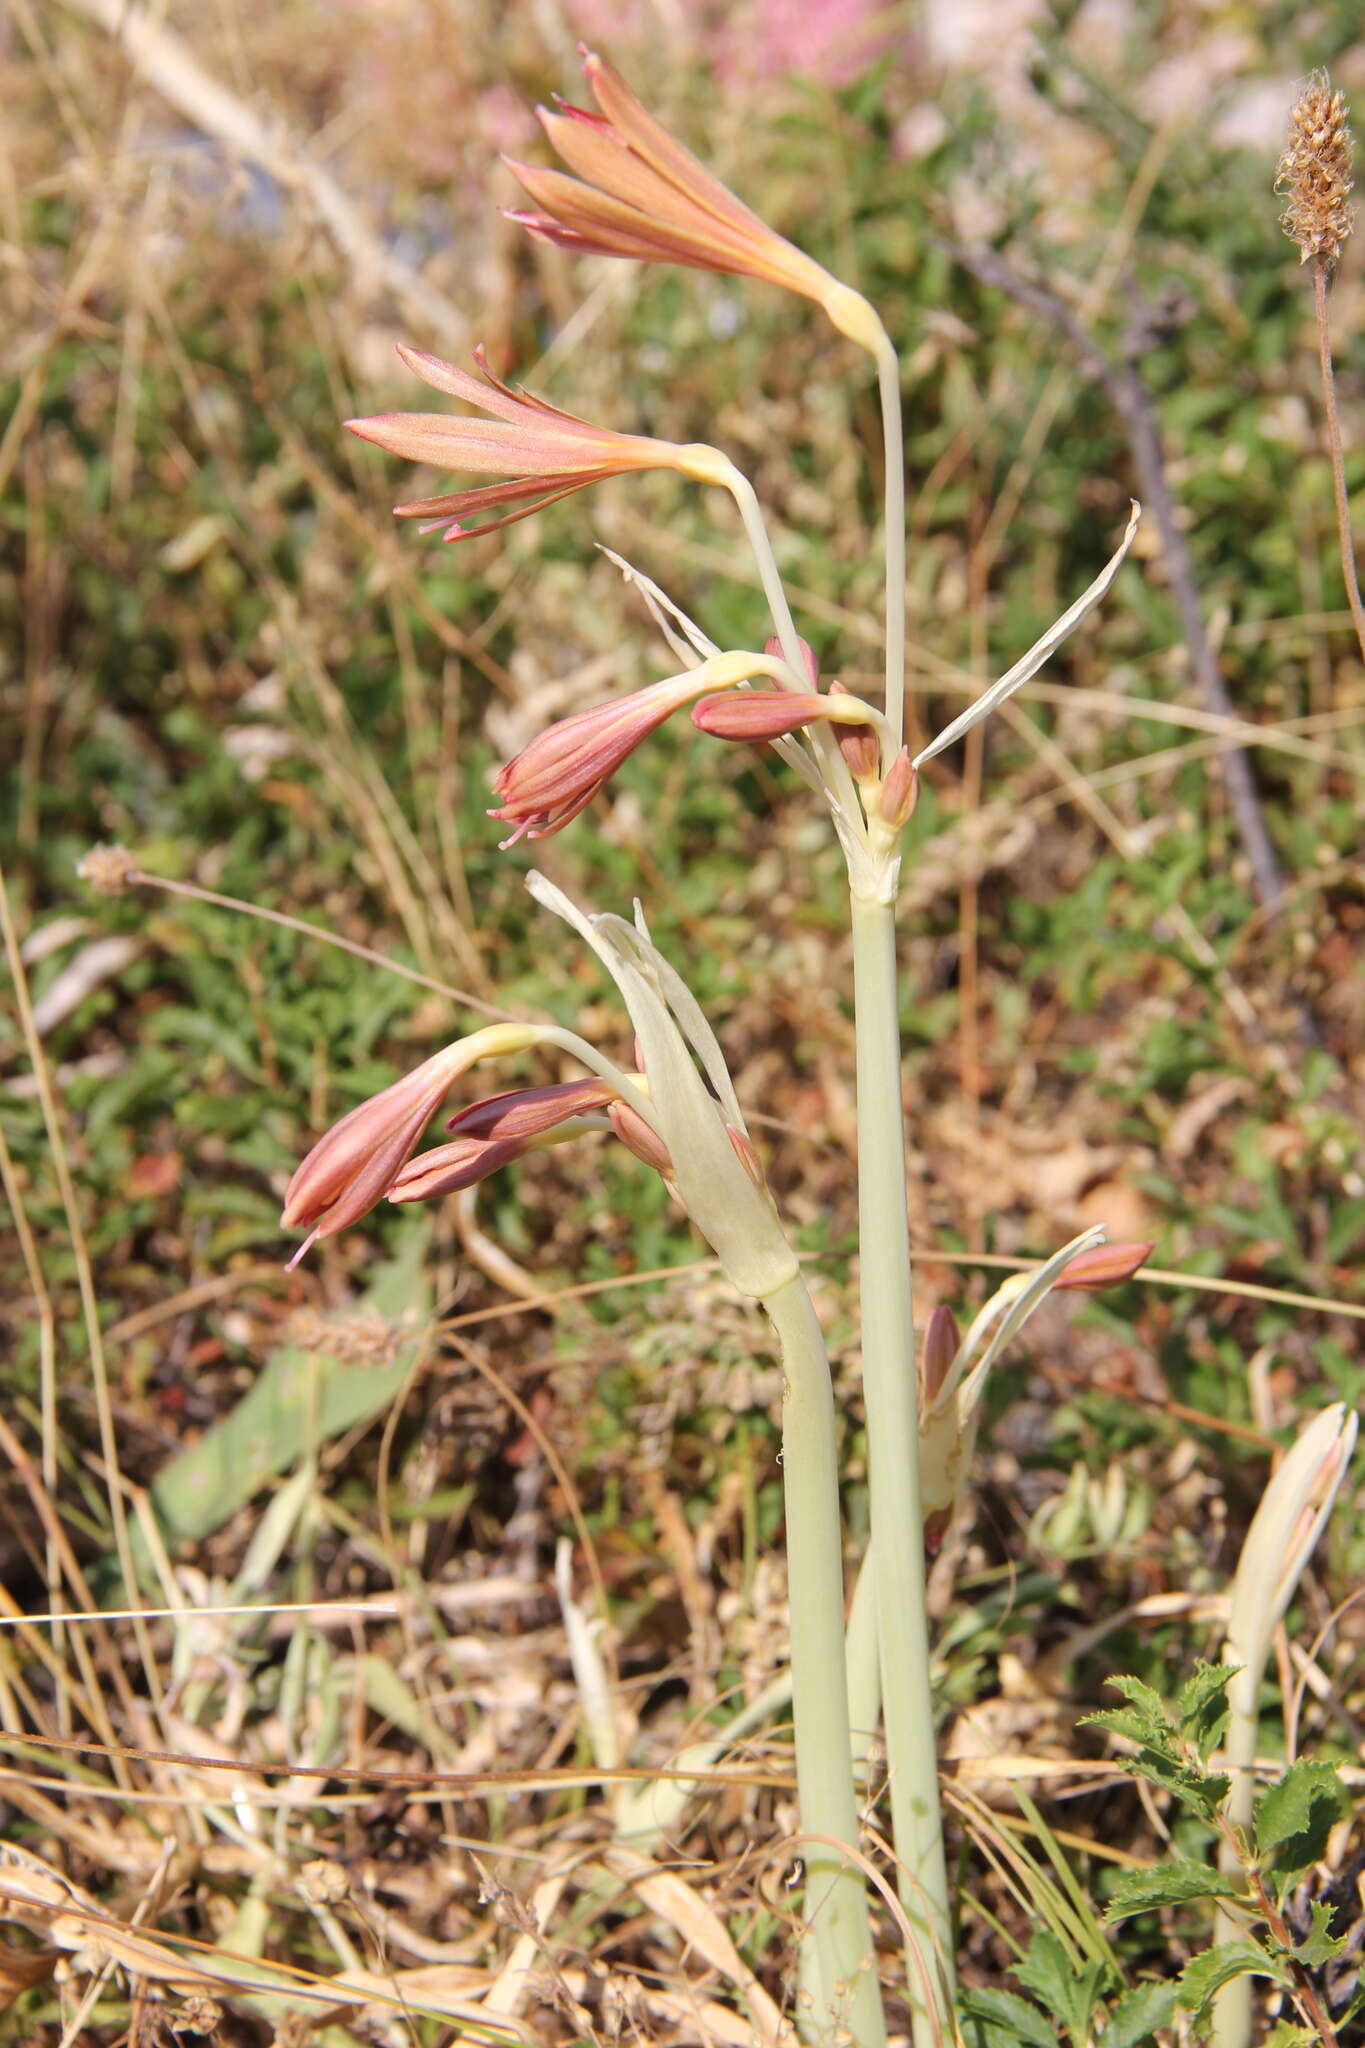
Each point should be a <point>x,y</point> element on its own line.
<point>632,191</point>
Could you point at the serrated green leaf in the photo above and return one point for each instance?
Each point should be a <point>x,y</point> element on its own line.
<point>1128,1722</point>
<point>1201,1979</point>
<point>1144,1698</point>
<point>1203,1792</point>
<point>1167,1884</point>
<point>1001,2019</point>
<point>1295,1816</point>
<point>1203,1706</point>
<point>1285,2034</point>
<point>1137,2015</point>
<point>1059,1984</point>
<point>1320,1945</point>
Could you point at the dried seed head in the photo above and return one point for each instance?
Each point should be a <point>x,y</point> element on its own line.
<point>1314,173</point>
<point>109,870</point>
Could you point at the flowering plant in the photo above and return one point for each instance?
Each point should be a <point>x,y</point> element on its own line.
<point>631,191</point>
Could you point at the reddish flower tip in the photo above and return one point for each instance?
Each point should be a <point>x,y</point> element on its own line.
<point>1104,1265</point>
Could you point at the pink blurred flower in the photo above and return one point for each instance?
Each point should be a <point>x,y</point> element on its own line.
<point>832,41</point>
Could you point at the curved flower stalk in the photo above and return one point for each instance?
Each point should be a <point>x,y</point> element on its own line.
<point>1283,1535</point>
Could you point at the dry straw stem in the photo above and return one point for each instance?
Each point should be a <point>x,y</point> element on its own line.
<point>1315,177</point>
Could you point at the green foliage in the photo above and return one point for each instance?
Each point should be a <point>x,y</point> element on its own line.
<point>1135,2017</point>
<point>1061,1988</point>
<point>1174,1747</point>
<point>1294,1817</point>
<point>1172,1883</point>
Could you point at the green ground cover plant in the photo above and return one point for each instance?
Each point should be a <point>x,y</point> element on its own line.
<point>379,1756</point>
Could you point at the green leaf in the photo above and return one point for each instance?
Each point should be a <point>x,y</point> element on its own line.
<point>1319,1945</point>
<point>1203,1706</point>
<point>301,1397</point>
<point>1200,1980</point>
<point>1059,1984</point>
<point>1202,1791</point>
<point>1167,1884</point>
<point>1130,1723</point>
<point>1146,1701</point>
<point>1001,2019</point>
<point>1295,1816</point>
<point>1137,2015</point>
<point>1284,2034</point>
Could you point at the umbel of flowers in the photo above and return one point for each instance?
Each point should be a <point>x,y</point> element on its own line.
<point>630,190</point>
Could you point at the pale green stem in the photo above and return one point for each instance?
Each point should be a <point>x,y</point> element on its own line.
<point>893,436</point>
<point>897,1535</point>
<point>1232,2005</point>
<point>821,740</point>
<point>844,1976</point>
<point>864,1672</point>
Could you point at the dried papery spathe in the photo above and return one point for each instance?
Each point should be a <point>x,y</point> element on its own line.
<point>696,1123</point>
<point>1284,1531</point>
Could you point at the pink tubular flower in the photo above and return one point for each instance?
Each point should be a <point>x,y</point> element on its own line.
<point>768,714</point>
<point>546,453</point>
<point>638,193</point>
<point>493,1133</point>
<point>561,770</point>
<point>1104,1265</point>
<point>350,1169</point>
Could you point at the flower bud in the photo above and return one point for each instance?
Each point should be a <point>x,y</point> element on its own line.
<point>857,744</point>
<point>351,1168</point>
<point>940,1349</point>
<point>637,1137</point>
<point>899,792</point>
<point>1104,1265</point>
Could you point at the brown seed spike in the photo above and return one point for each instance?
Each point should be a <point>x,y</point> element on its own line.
<point>1314,173</point>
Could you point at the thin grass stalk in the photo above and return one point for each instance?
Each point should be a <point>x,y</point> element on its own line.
<point>844,1977</point>
<point>85,1279</point>
<point>1321,279</point>
<point>897,1531</point>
